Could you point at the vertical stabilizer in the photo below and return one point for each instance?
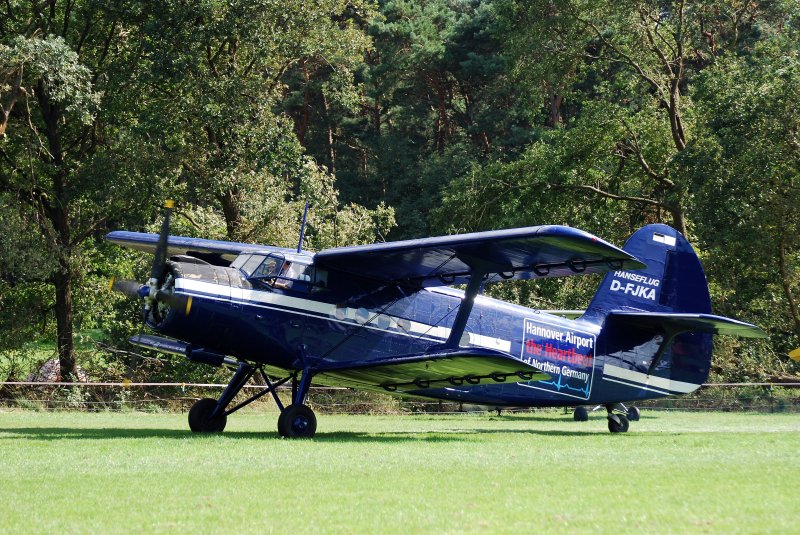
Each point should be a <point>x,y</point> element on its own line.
<point>673,281</point>
<point>651,339</point>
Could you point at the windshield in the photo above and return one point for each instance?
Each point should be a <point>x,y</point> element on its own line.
<point>250,265</point>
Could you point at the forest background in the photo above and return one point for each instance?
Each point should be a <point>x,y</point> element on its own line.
<point>394,119</point>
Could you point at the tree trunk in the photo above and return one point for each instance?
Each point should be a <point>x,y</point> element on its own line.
<point>233,216</point>
<point>331,135</point>
<point>786,285</point>
<point>675,121</point>
<point>56,211</point>
<point>555,109</point>
<point>66,349</point>
<point>678,219</point>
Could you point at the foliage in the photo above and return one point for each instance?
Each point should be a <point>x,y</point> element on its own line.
<point>393,119</point>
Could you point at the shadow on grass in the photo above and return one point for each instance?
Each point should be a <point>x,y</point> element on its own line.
<point>593,417</point>
<point>443,435</point>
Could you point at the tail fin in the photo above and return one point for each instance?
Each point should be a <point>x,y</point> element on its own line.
<point>673,281</point>
<point>657,326</point>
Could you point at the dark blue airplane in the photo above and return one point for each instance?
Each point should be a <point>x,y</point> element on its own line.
<point>384,317</point>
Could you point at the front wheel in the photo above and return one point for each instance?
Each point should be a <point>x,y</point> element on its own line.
<point>297,421</point>
<point>200,420</point>
<point>618,423</point>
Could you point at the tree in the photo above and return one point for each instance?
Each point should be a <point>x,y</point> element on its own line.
<point>746,175</point>
<point>435,96</point>
<point>630,65</point>
<point>57,88</point>
<point>220,69</point>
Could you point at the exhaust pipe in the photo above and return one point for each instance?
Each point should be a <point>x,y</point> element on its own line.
<point>198,354</point>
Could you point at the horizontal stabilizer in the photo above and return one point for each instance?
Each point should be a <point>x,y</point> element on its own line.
<point>706,323</point>
<point>452,367</point>
<point>569,314</point>
<point>159,343</point>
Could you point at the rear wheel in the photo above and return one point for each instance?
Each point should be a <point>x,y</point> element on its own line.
<point>580,414</point>
<point>200,420</point>
<point>633,413</point>
<point>297,421</point>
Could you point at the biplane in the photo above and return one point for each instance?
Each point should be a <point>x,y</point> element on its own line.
<point>386,317</point>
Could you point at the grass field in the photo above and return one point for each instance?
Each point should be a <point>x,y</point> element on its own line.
<point>70,472</point>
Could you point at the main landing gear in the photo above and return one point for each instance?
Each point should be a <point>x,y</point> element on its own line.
<point>619,416</point>
<point>295,421</point>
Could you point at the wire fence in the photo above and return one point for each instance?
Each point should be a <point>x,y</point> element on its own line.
<point>179,397</point>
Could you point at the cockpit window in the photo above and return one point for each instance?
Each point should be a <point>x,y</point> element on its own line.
<point>240,260</point>
<point>252,263</point>
<point>270,267</point>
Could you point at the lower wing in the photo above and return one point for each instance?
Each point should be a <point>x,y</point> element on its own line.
<point>446,367</point>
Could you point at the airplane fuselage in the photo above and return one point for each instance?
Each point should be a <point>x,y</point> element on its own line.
<point>299,324</point>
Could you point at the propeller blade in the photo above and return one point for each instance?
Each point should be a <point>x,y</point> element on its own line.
<point>160,257</point>
<point>127,287</point>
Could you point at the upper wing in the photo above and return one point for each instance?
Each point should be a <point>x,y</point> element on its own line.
<point>521,253</point>
<point>206,249</point>
<point>446,367</point>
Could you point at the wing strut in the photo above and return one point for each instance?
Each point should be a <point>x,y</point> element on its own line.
<point>465,308</point>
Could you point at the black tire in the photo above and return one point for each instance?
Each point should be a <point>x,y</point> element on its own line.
<point>580,414</point>
<point>297,421</point>
<point>633,413</point>
<point>617,423</point>
<point>200,420</point>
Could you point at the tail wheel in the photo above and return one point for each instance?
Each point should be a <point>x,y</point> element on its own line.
<point>618,423</point>
<point>297,421</point>
<point>580,414</point>
<point>200,420</point>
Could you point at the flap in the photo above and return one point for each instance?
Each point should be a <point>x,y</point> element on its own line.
<point>522,253</point>
<point>454,367</point>
<point>198,247</point>
<point>706,323</point>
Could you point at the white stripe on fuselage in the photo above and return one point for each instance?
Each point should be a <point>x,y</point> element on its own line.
<point>642,380</point>
<point>364,317</point>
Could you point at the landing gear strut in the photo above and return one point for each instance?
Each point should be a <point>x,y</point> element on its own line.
<point>295,421</point>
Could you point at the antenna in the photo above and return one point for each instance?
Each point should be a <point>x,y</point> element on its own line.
<point>302,229</point>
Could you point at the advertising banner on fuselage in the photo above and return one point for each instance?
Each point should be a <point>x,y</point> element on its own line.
<point>567,354</point>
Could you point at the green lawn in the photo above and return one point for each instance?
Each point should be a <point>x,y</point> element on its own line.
<point>72,472</point>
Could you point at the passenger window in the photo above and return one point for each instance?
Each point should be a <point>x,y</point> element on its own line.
<point>320,278</point>
<point>294,276</point>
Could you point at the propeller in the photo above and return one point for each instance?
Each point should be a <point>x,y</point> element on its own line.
<point>159,259</point>
<point>154,291</point>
